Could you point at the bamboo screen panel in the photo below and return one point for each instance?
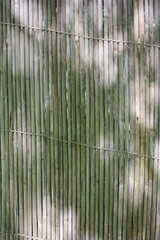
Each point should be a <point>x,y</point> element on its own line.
<point>79,119</point>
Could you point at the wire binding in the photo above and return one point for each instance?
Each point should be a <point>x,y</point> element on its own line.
<point>79,35</point>
<point>81,144</point>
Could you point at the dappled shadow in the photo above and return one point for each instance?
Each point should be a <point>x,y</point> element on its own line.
<point>86,113</point>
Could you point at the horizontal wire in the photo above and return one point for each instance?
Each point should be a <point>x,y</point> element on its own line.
<point>79,35</point>
<point>81,144</point>
<point>21,235</point>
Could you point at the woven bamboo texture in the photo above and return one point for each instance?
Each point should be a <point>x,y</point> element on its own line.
<point>80,119</point>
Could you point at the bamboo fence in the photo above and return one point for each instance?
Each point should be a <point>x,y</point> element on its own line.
<point>79,119</point>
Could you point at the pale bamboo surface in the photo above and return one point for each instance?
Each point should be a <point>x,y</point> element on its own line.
<point>79,120</point>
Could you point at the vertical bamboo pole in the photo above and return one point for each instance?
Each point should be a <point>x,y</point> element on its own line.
<point>43,122</point>
<point>68,86</point>
<point>39,118</point>
<point>34,107</point>
<point>106,123</point>
<point>64,177</point>
<point>37,169</point>
<point>82,12</point>
<point>77,124</point>
<point>60,81</point>
<point>64,121</point>
<point>4,125</point>
<point>137,110</point>
<point>48,126</point>
<point>146,39</point>
<point>55,84</point>
<point>111,154</point>
<point>61,120</point>
<point>101,120</point>
<point>121,120</point>
<point>46,9</point>
<point>126,119</point>
<point>115,119</point>
<point>52,50</point>
<point>142,122</point>
<point>149,135</point>
<point>18,127</point>
<point>6,115</point>
<point>52,117</point>
<point>73,130</point>
<point>28,119</point>
<point>97,115</point>
<point>87,75</point>
<point>131,124</point>
<point>92,126</point>
<point>152,119</point>
<point>15,125</point>
<point>57,93</point>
